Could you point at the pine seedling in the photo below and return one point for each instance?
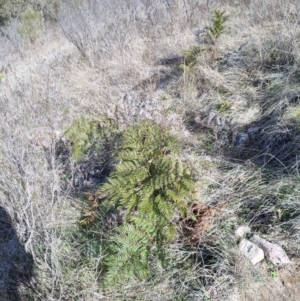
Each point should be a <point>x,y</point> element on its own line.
<point>218,26</point>
<point>190,58</point>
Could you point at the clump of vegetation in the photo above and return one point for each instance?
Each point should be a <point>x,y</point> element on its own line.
<point>10,9</point>
<point>190,58</point>
<point>214,32</point>
<point>86,134</point>
<point>50,8</point>
<point>224,106</point>
<point>31,26</point>
<point>218,26</point>
<point>150,185</point>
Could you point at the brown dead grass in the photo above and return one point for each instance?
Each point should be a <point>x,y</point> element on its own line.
<point>284,285</point>
<point>194,230</point>
<point>54,81</point>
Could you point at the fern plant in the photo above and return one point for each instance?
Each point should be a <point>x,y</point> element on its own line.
<point>129,253</point>
<point>85,134</point>
<point>150,184</point>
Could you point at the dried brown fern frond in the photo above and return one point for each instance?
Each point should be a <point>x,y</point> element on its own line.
<point>89,213</point>
<point>193,230</point>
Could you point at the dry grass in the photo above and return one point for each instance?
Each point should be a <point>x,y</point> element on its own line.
<point>106,57</point>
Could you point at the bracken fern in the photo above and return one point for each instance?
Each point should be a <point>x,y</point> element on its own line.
<point>151,184</point>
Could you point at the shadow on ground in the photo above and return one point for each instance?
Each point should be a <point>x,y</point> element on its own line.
<point>273,139</point>
<point>16,265</point>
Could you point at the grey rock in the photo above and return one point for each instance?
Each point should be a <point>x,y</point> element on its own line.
<point>273,251</point>
<point>241,231</point>
<point>251,251</point>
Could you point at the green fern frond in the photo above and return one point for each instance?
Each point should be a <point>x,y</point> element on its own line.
<point>129,253</point>
<point>147,186</point>
<point>86,134</point>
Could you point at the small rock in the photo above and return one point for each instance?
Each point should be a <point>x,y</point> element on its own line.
<point>251,251</point>
<point>273,251</point>
<point>241,231</point>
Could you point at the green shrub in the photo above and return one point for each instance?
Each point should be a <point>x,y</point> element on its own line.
<point>150,184</point>
<point>10,9</point>
<point>85,135</point>
<point>31,26</point>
